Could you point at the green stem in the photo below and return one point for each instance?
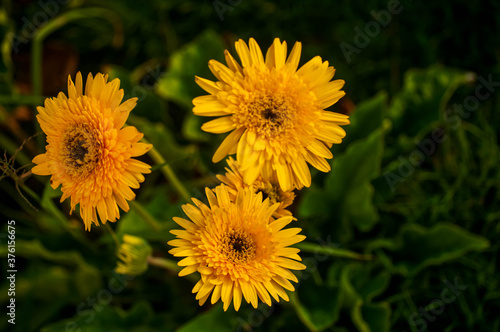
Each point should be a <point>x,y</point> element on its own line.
<point>51,26</point>
<point>145,215</point>
<point>294,301</point>
<point>30,192</point>
<point>113,235</point>
<point>164,263</point>
<point>169,265</point>
<point>330,251</point>
<point>21,100</point>
<point>169,173</point>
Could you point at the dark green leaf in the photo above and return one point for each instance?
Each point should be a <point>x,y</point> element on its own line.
<point>214,319</point>
<point>419,247</point>
<point>424,97</point>
<point>178,84</point>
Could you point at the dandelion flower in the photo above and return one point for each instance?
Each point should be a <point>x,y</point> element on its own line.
<point>237,250</point>
<point>88,151</point>
<point>275,113</point>
<point>269,188</point>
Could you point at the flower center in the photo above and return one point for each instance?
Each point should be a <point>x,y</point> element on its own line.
<point>268,191</point>
<point>238,246</point>
<point>270,116</point>
<point>81,149</point>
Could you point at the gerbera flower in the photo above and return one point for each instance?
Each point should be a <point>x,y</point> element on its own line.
<point>88,151</point>
<point>236,249</point>
<point>269,188</point>
<point>276,113</point>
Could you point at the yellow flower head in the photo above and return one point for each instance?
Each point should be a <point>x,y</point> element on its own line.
<point>133,255</point>
<point>276,113</point>
<point>236,249</point>
<point>269,188</point>
<point>88,151</point>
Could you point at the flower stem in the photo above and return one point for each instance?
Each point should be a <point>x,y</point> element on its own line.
<point>331,251</point>
<point>55,24</point>
<point>113,235</point>
<point>169,265</point>
<point>169,173</point>
<point>164,263</point>
<point>299,310</point>
<point>145,215</point>
<point>18,99</point>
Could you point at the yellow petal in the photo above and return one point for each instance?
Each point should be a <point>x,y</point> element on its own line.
<point>301,170</point>
<point>237,297</point>
<point>256,53</point>
<point>138,149</point>
<point>79,84</point>
<point>41,169</point>
<point>284,176</point>
<point>229,142</point>
<point>244,53</point>
<point>220,71</point>
<point>338,118</point>
<point>231,62</point>
<point>39,159</point>
<point>121,112</point>
<point>332,99</point>
<point>207,85</point>
<point>220,125</point>
<point>294,58</point>
<point>325,91</point>
<point>320,149</point>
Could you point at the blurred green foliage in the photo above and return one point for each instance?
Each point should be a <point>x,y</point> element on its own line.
<point>414,188</point>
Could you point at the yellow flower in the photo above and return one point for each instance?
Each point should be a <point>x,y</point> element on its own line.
<point>269,188</point>
<point>276,113</point>
<point>88,151</point>
<point>236,249</point>
<point>133,253</point>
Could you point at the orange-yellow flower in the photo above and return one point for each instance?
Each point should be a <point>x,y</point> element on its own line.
<point>275,113</point>
<point>269,188</point>
<point>88,151</point>
<point>238,248</point>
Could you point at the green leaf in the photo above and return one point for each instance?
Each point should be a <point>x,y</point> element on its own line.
<point>53,220</point>
<point>370,286</point>
<point>86,279</point>
<point>359,286</point>
<point>160,209</point>
<point>191,129</point>
<point>349,183</point>
<point>366,118</point>
<point>149,105</point>
<point>318,305</point>
<point>348,193</point>
<point>372,317</point>
<point>48,204</point>
<point>359,282</point>
<point>214,319</point>
<point>359,205</point>
<point>423,97</point>
<point>178,84</point>
<point>164,141</point>
<point>419,247</point>
<point>107,318</point>
<point>314,203</point>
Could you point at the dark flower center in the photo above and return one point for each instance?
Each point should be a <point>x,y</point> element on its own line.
<point>81,149</point>
<point>238,246</point>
